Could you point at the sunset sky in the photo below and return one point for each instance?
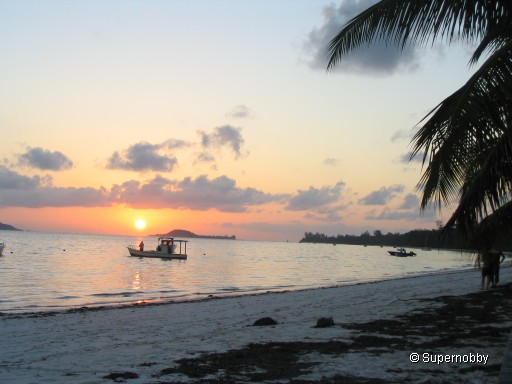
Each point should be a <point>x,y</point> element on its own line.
<point>214,116</point>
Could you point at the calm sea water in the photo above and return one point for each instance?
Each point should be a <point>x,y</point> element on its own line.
<point>56,271</point>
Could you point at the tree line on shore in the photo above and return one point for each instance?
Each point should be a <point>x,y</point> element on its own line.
<point>418,238</point>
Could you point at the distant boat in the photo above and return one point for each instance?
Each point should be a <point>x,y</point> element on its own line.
<point>401,252</point>
<point>167,248</point>
<point>2,246</point>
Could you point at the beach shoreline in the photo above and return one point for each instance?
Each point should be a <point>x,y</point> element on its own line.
<point>201,298</point>
<point>377,326</point>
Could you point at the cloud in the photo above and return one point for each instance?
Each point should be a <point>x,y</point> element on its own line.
<point>331,162</point>
<point>13,180</point>
<point>315,198</point>
<point>226,135</point>
<point>144,157</point>
<point>240,111</point>
<point>55,197</point>
<point>409,209</point>
<point>174,144</point>
<point>161,157</point>
<point>406,158</point>
<point>36,192</point>
<point>415,214</point>
<point>388,214</point>
<point>204,157</point>
<point>376,58</point>
<point>410,201</point>
<point>381,196</point>
<point>403,134</point>
<point>330,216</point>
<point>200,193</point>
<point>43,159</point>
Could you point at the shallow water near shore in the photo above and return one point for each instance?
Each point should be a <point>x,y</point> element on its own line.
<point>57,271</point>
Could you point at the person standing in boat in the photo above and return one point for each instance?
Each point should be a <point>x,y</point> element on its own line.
<point>141,245</point>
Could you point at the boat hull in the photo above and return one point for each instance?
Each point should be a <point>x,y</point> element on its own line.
<point>401,254</point>
<point>156,254</point>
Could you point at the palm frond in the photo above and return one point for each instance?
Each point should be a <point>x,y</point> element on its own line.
<point>494,226</point>
<point>417,22</point>
<point>466,140</point>
<point>488,189</point>
<point>498,31</point>
<point>461,127</point>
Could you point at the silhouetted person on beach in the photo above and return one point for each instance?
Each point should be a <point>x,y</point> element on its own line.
<point>497,258</point>
<point>141,245</point>
<point>484,261</point>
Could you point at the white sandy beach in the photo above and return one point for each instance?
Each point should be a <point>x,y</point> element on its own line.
<point>87,346</point>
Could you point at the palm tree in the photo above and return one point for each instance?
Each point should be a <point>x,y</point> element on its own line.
<point>466,140</point>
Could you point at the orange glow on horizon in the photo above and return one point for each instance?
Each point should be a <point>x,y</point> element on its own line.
<point>120,220</point>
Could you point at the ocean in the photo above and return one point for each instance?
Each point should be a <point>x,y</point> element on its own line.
<point>58,271</point>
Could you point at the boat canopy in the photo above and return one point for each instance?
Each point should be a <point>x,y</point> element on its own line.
<point>173,243</point>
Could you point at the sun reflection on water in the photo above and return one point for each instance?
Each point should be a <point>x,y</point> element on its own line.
<point>136,284</point>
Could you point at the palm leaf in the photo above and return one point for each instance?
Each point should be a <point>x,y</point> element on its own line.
<point>493,227</point>
<point>417,22</point>
<point>487,190</point>
<point>466,140</point>
<point>462,126</point>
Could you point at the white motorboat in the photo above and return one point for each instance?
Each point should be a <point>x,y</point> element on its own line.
<point>167,248</point>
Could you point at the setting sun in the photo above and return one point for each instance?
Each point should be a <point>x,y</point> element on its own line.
<point>140,223</point>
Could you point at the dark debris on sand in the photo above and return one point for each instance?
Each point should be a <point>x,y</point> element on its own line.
<point>477,319</point>
<point>264,321</point>
<point>121,376</point>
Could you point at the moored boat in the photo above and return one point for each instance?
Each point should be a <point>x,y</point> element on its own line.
<point>401,252</point>
<point>167,248</point>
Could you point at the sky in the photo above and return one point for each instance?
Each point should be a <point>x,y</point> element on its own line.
<point>215,116</point>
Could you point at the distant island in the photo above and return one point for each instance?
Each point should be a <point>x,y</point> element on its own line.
<point>188,234</point>
<point>7,227</point>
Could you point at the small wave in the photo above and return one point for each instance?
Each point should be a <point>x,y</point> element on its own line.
<point>287,286</point>
<point>351,280</point>
<point>123,294</point>
<point>253,289</point>
<point>66,297</point>
<point>241,290</point>
<point>228,289</point>
<point>171,291</point>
